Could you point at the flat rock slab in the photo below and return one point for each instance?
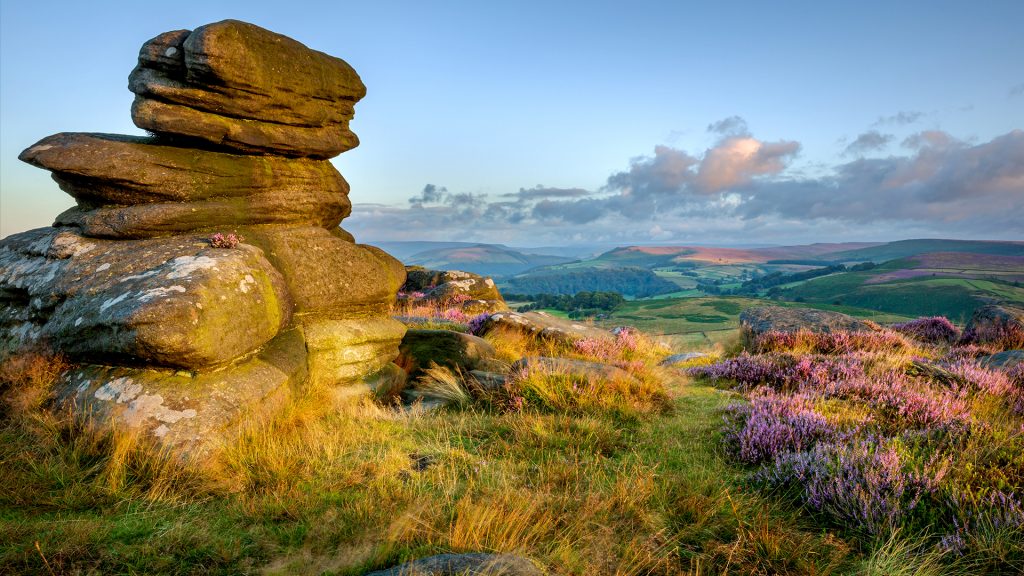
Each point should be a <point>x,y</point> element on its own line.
<point>131,187</point>
<point>342,352</point>
<point>475,564</point>
<point>187,414</point>
<point>115,169</point>
<point>762,319</point>
<point>238,85</point>
<point>544,325</point>
<point>329,276</point>
<point>173,302</point>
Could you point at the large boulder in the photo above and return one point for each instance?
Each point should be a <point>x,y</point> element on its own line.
<point>1001,325</point>
<point>755,322</point>
<point>172,302</point>
<point>240,86</point>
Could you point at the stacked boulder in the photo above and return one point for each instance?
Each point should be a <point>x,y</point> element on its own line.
<point>203,274</point>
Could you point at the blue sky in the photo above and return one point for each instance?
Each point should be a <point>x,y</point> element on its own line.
<point>540,123</point>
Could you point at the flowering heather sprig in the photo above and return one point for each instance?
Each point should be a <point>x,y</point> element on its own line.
<point>829,342</point>
<point>905,402</point>
<point>746,370</point>
<point>457,298</point>
<point>782,371</point>
<point>972,519</point>
<point>773,424</point>
<point>229,240</point>
<point>971,374</point>
<point>455,315</point>
<point>866,484</point>
<point>933,329</point>
<point>1016,375</point>
<point>966,352</point>
<point>627,338</point>
<point>477,323</point>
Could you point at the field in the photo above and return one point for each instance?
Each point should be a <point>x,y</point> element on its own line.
<point>702,322</point>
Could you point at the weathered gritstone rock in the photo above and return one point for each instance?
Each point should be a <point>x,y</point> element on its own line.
<point>329,276</point>
<point>473,293</point>
<point>998,324</point>
<point>544,325</point>
<point>168,302</point>
<point>188,414</point>
<point>757,321</point>
<point>223,83</point>
<point>197,283</point>
<point>446,348</point>
<point>343,351</point>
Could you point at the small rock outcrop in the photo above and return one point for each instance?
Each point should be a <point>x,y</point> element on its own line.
<point>757,321</point>
<point>446,348</point>
<point>998,324</point>
<point>472,293</point>
<point>543,325</point>
<point>203,273</point>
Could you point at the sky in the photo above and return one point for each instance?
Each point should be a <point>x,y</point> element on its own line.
<point>557,123</point>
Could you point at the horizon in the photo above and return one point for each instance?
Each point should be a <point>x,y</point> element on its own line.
<point>602,125</point>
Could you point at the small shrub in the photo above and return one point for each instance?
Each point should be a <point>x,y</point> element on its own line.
<point>229,240</point>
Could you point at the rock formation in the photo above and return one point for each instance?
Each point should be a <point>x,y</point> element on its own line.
<point>472,293</point>
<point>759,320</point>
<point>172,333</point>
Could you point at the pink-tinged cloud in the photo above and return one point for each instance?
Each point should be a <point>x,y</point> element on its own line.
<point>737,161</point>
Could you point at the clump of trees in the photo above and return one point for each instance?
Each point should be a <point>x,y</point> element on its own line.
<point>631,281</point>
<point>578,305</point>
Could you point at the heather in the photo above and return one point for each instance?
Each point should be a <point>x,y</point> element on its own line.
<point>886,436</point>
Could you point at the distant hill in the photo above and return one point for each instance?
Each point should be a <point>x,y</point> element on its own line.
<point>629,281</point>
<point>950,284</point>
<point>485,259</point>
<point>907,248</point>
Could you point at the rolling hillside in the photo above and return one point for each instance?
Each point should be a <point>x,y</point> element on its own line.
<point>950,284</point>
<point>907,248</point>
<point>485,259</point>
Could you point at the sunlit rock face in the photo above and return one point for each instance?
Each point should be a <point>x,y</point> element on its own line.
<point>202,274</point>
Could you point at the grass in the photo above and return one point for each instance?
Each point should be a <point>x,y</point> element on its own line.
<point>631,482</point>
<point>709,322</point>
<point>955,298</point>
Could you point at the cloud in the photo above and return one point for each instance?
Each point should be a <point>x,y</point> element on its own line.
<point>430,194</point>
<point>731,126</point>
<point>945,182</point>
<point>540,192</point>
<point>743,189</point>
<point>736,161</point>
<point>901,118</point>
<point>870,141</point>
